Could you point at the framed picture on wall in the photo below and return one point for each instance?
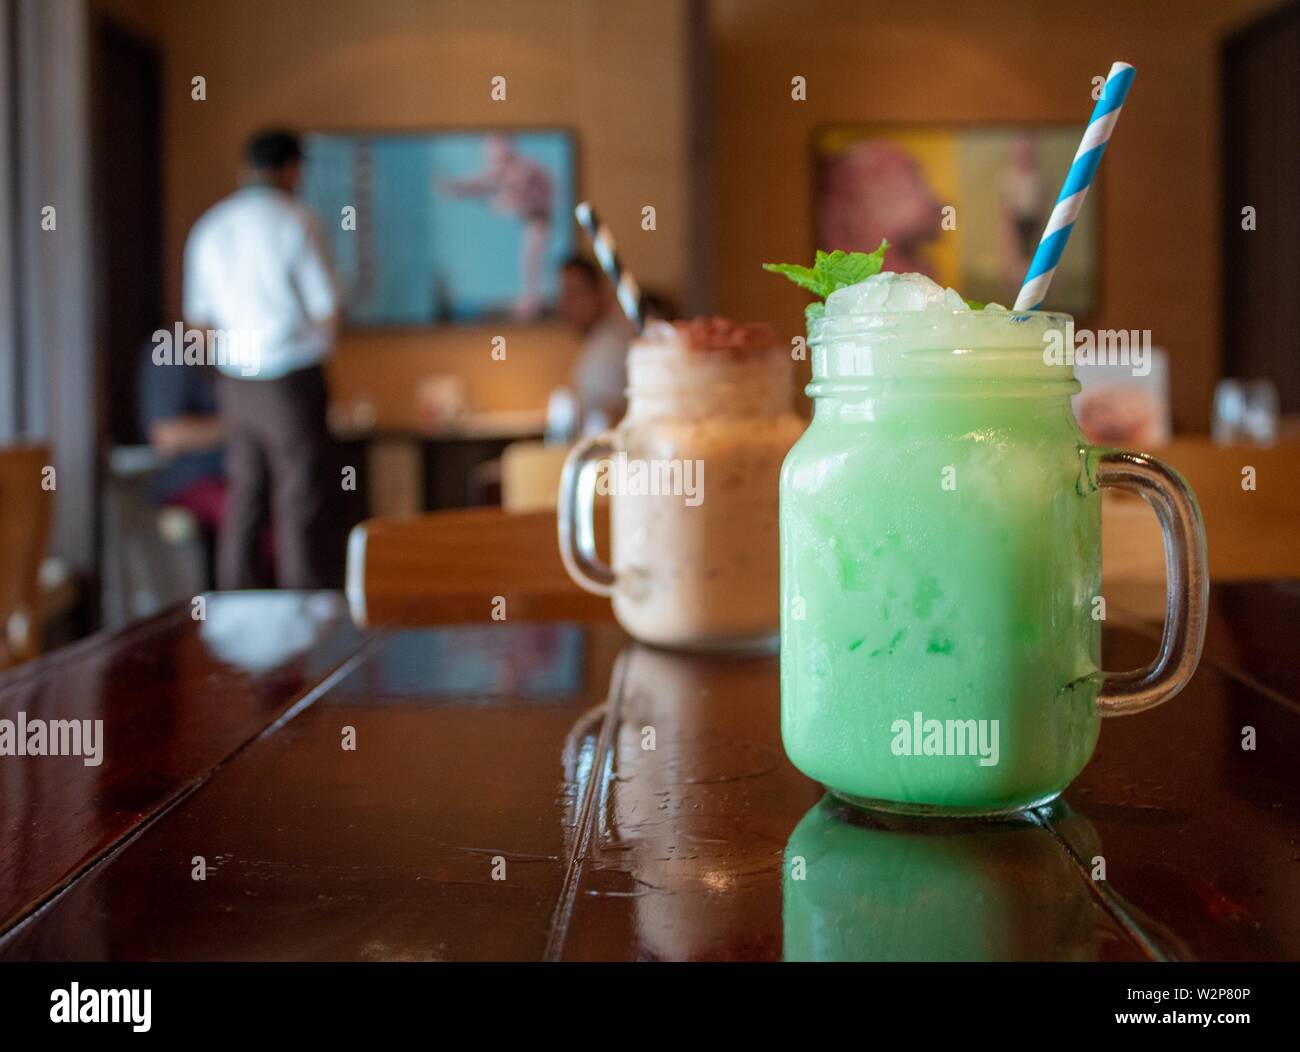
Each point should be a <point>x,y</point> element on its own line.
<point>896,181</point>
<point>444,226</point>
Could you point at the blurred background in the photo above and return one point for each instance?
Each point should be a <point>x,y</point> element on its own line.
<point>712,135</point>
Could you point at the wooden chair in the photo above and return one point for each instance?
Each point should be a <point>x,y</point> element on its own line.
<point>455,565</point>
<point>25,511</point>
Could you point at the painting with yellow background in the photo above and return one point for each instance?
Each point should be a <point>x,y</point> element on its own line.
<point>965,206</point>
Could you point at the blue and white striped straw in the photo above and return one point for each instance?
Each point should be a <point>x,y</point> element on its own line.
<point>625,286</point>
<point>1080,176</point>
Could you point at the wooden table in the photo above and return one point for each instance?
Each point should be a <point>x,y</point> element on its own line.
<point>412,470</point>
<point>499,804</point>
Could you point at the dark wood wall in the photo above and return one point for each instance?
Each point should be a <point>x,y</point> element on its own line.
<point>126,189</point>
<point>1261,163</point>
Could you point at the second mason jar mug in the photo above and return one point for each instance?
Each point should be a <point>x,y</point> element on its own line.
<point>692,474</point>
<point>941,567</point>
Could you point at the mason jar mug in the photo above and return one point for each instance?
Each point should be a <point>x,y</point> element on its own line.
<point>941,568</point>
<point>692,476</point>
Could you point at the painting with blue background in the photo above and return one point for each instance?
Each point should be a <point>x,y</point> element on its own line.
<point>421,256</point>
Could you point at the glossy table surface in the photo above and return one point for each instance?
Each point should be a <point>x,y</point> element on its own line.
<point>553,791</point>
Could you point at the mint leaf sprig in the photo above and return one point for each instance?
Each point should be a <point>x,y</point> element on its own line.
<point>831,271</point>
<point>836,270</point>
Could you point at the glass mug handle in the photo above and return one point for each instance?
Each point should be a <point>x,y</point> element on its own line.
<point>577,515</point>
<point>1187,582</point>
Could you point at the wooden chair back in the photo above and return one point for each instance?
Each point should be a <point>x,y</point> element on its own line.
<point>25,513</point>
<point>455,565</point>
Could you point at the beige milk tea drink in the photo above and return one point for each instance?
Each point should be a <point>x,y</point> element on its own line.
<point>692,477</point>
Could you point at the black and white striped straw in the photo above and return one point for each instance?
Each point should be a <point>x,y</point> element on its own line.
<point>625,286</point>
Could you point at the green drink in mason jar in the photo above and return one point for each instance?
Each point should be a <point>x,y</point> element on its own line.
<point>941,556</point>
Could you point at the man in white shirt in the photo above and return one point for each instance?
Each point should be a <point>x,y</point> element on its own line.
<point>257,281</point>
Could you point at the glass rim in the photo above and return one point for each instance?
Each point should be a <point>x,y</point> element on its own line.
<point>902,325</point>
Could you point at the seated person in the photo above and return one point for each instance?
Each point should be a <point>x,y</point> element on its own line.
<point>600,373</point>
<point>178,413</point>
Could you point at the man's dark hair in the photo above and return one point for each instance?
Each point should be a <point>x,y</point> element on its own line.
<point>585,265</point>
<point>269,151</point>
